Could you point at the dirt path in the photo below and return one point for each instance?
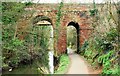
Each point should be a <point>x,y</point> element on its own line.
<point>78,65</point>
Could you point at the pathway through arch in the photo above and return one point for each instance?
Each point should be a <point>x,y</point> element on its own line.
<point>78,65</point>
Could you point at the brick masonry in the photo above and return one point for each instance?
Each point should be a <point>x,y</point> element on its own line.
<point>75,13</point>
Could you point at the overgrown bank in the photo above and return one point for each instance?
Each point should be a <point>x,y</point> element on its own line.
<point>22,45</point>
<point>102,49</point>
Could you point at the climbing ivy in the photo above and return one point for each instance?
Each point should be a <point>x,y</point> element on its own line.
<point>58,18</point>
<point>93,11</point>
<point>57,27</point>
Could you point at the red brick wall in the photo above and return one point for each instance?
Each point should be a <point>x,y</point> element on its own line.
<point>79,15</point>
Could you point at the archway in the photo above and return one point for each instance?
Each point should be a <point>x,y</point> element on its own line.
<point>42,27</point>
<point>75,43</point>
<point>71,39</point>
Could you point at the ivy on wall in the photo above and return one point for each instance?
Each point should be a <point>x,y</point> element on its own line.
<point>58,18</point>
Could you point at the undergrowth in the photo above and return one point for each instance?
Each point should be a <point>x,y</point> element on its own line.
<point>102,49</point>
<point>64,62</point>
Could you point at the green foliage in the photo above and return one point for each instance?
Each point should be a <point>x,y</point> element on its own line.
<point>107,64</point>
<point>118,11</point>
<point>98,42</point>
<point>88,53</point>
<point>104,47</point>
<point>59,14</point>
<point>64,62</point>
<point>41,43</point>
<point>112,35</point>
<point>11,11</point>
<point>104,58</point>
<point>19,52</point>
<point>58,18</point>
<point>107,42</point>
<point>93,12</point>
<point>28,3</point>
<point>103,44</point>
<point>72,37</point>
<point>85,45</point>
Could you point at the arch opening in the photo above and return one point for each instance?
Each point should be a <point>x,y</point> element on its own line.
<point>42,19</point>
<point>73,37</point>
<point>43,38</point>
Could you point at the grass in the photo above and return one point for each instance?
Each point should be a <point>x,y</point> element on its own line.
<point>64,62</point>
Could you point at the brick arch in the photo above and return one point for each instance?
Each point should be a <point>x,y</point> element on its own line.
<point>41,18</point>
<point>83,32</point>
<point>77,26</point>
<point>38,18</point>
<point>51,15</point>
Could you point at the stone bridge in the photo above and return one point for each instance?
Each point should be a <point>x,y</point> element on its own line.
<point>76,15</point>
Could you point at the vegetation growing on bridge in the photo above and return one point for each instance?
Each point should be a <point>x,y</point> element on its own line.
<point>57,33</point>
<point>58,18</point>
